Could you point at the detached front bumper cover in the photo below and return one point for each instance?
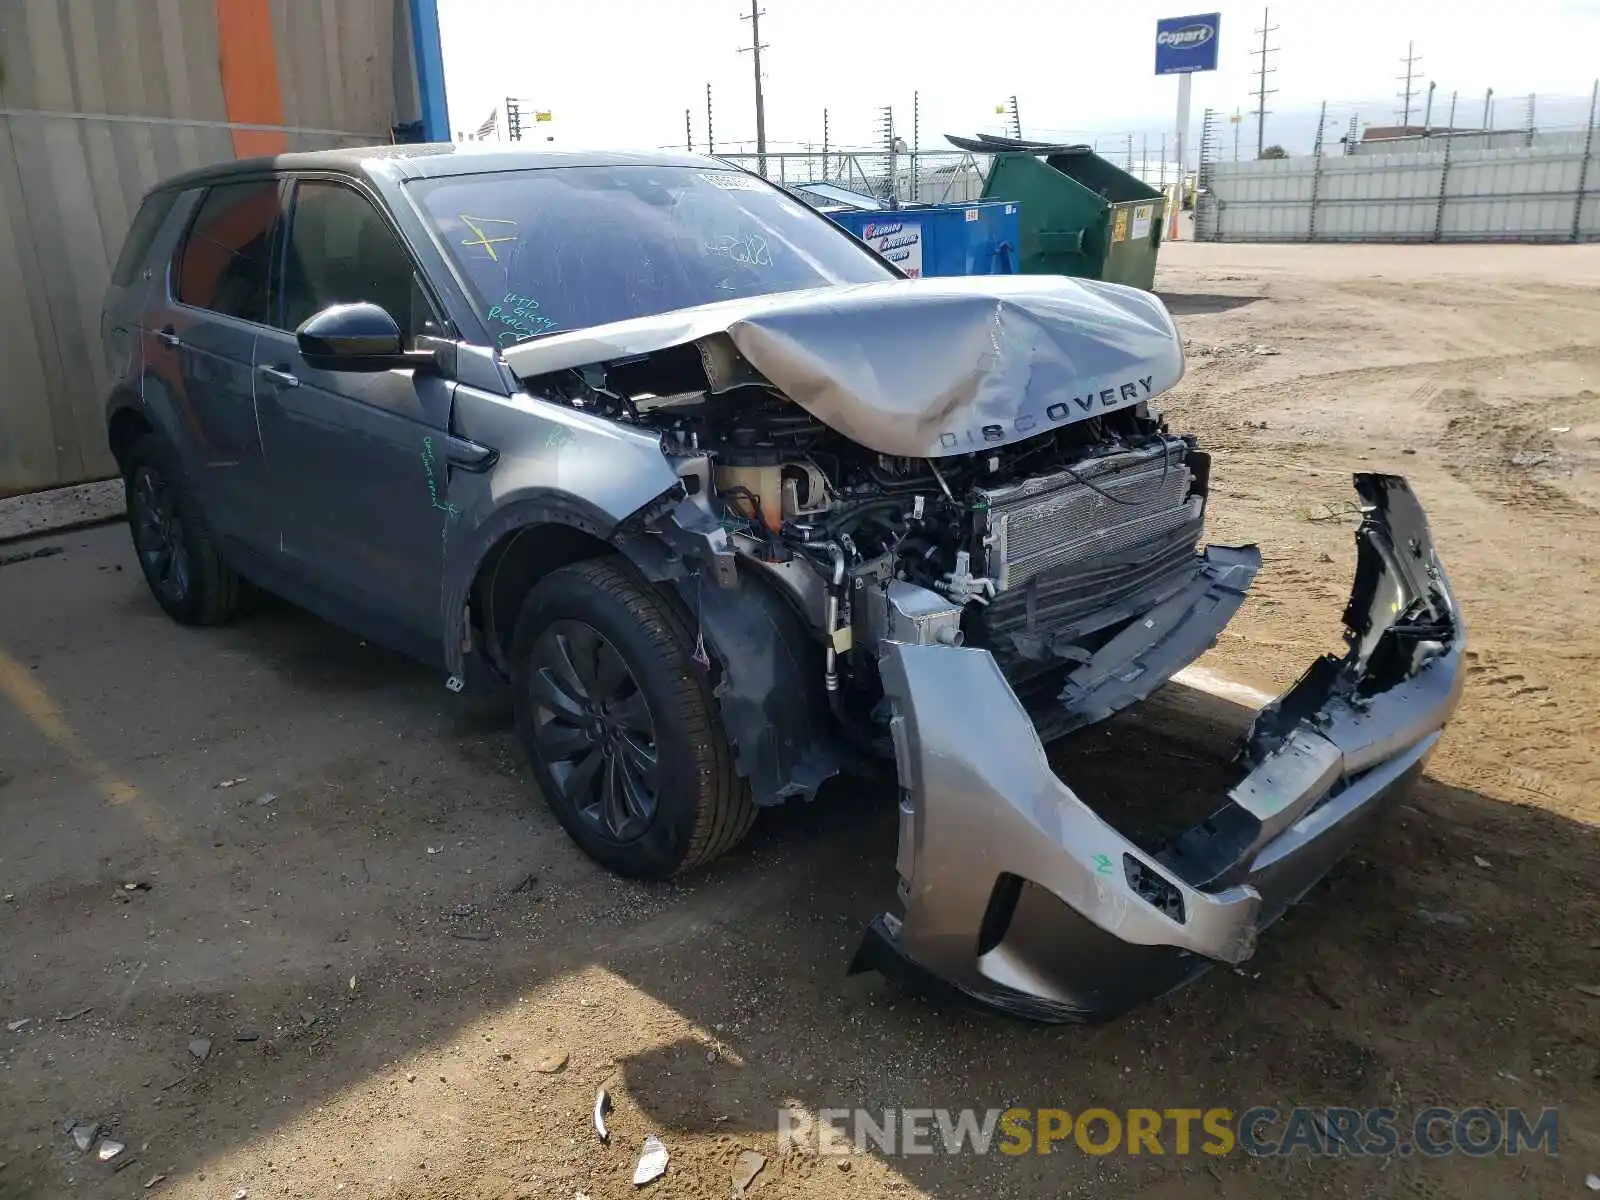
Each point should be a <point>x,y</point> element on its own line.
<point>1020,898</point>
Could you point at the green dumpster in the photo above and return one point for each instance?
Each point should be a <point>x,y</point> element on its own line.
<point>1081,215</point>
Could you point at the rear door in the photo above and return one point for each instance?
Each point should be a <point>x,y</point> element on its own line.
<point>199,343</point>
<point>356,460</point>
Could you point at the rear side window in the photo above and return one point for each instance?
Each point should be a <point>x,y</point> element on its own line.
<point>136,246</point>
<point>225,259</point>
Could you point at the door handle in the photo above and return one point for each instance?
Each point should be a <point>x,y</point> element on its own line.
<point>278,376</point>
<point>469,456</point>
<point>168,338</point>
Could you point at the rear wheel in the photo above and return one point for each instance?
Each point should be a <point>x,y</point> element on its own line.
<point>620,725</point>
<point>174,545</point>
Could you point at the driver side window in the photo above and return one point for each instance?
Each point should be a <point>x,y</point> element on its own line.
<point>340,250</point>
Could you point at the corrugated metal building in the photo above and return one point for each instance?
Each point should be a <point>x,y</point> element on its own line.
<point>100,99</point>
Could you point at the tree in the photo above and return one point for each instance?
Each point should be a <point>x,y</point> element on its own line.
<point>1274,152</point>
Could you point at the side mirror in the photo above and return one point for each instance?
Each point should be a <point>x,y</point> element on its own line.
<point>356,337</point>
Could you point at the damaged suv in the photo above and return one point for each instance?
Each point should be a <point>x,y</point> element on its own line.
<point>734,507</point>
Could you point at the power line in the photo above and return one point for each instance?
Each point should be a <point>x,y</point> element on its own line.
<point>756,47</point>
<point>1261,73</point>
<point>1411,60</point>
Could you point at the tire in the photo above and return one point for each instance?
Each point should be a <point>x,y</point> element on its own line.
<point>175,547</point>
<point>620,724</point>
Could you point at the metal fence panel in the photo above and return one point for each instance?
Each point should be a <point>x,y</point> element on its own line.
<point>1446,194</point>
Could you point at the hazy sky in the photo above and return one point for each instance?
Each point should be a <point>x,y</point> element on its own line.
<point>619,73</point>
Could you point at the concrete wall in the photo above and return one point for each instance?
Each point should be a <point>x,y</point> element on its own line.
<point>100,99</point>
<point>1452,194</point>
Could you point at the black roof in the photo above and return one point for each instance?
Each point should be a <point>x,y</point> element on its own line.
<point>427,160</point>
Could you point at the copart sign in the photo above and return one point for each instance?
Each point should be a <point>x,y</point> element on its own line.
<point>1185,44</point>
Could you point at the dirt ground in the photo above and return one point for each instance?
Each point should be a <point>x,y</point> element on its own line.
<point>385,953</point>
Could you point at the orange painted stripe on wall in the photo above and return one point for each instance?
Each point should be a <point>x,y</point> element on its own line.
<point>250,75</point>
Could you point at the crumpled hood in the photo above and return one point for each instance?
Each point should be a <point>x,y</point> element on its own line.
<point>917,367</point>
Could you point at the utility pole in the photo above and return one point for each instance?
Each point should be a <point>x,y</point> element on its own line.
<point>824,144</point>
<point>1016,120</point>
<point>916,140</point>
<point>688,131</point>
<point>711,138</point>
<point>1236,121</point>
<point>1488,109</point>
<point>886,124</point>
<point>1427,112</point>
<point>1261,73</point>
<point>1411,60</point>
<point>755,47</point>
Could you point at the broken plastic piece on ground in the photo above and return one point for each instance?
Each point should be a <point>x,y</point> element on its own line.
<point>745,1170</point>
<point>602,1105</point>
<point>200,1047</point>
<point>83,1135</point>
<point>234,782</point>
<point>652,1161</point>
<point>19,1024</point>
<point>109,1149</point>
<point>266,798</point>
<point>152,1181</point>
<point>75,1013</point>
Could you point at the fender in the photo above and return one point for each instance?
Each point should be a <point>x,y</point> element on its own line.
<point>555,465</point>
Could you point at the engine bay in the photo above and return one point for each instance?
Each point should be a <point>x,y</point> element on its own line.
<point>1037,550</point>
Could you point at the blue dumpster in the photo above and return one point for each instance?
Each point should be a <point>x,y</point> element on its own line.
<point>929,239</point>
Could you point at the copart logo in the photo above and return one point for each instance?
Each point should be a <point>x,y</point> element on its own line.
<point>1190,37</point>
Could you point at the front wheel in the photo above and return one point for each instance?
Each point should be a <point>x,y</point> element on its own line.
<point>620,725</point>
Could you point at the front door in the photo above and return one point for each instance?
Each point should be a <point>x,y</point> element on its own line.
<point>356,460</point>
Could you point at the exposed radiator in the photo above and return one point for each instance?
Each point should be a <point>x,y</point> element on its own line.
<point>1106,505</point>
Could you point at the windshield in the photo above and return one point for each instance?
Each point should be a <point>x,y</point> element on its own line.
<point>561,248</point>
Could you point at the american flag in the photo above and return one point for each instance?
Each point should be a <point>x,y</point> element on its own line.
<point>491,126</point>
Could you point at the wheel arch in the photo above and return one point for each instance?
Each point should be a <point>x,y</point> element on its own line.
<point>126,423</point>
<point>513,566</point>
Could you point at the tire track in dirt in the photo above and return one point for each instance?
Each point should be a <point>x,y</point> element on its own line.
<point>1498,452</point>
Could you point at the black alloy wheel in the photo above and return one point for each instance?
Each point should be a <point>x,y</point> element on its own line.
<point>594,729</point>
<point>172,540</point>
<point>620,724</point>
<point>158,536</point>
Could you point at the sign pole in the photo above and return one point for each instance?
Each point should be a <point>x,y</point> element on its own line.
<point>1185,84</point>
<point>1185,45</point>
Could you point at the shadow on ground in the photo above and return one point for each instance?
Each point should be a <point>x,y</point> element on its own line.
<point>404,937</point>
<point>1189,304</point>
